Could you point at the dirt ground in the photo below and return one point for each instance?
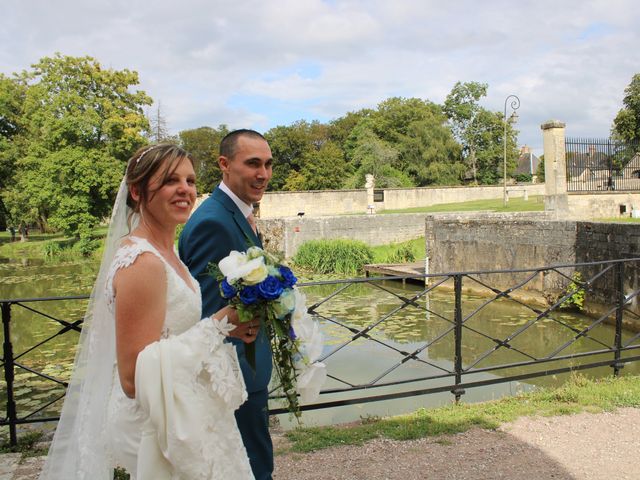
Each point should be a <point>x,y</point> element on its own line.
<point>573,447</point>
<point>577,447</point>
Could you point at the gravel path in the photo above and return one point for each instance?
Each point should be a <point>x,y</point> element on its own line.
<point>573,447</point>
<point>577,447</point>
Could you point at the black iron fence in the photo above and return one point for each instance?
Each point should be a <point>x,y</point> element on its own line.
<point>596,165</point>
<point>433,337</point>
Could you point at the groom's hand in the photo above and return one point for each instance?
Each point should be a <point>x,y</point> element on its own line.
<point>246,331</point>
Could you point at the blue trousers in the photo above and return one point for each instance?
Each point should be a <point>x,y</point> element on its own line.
<point>253,422</point>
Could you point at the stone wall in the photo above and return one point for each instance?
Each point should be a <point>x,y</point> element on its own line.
<point>340,202</point>
<point>476,242</point>
<point>602,205</point>
<point>285,235</point>
<point>398,198</point>
<point>597,241</point>
<point>495,241</point>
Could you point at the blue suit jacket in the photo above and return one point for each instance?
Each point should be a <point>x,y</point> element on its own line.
<point>216,228</point>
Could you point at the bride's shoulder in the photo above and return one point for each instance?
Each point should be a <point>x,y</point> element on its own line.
<point>135,252</point>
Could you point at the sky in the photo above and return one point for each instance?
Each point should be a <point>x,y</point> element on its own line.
<point>263,63</point>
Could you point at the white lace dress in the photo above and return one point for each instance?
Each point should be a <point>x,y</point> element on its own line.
<point>181,425</point>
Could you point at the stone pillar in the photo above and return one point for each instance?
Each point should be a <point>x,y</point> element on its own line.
<point>555,169</point>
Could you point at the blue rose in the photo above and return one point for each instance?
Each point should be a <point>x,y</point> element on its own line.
<point>288,278</point>
<point>270,288</point>
<point>227,290</point>
<point>249,294</point>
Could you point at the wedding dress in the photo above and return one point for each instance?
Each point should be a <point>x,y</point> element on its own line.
<point>188,384</point>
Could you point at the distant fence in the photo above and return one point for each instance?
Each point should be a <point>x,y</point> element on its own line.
<point>600,165</point>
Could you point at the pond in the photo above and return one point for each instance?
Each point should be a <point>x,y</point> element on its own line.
<point>361,362</point>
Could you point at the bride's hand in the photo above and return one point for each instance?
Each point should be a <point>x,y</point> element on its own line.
<point>246,331</point>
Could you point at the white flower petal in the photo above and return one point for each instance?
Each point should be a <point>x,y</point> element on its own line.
<point>310,381</point>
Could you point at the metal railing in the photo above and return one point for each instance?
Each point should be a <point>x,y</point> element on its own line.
<point>466,365</point>
<point>597,165</point>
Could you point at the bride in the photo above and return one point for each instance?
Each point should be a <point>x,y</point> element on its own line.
<point>153,388</point>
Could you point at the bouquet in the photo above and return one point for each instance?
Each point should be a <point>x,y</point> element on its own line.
<point>260,286</point>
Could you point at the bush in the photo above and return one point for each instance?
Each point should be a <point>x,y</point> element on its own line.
<point>51,249</point>
<point>86,246</point>
<point>576,288</point>
<point>334,256</point>
<point>524,178</point>
<point>401,254</point>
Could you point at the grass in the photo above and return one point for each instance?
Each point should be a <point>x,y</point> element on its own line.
<point>619,220</point>
<point>577,395</point>
<point>27,445</point>
<point>341,256</point>
<point>518,204</point>
<point>385,253</point>
<point>49,246</point>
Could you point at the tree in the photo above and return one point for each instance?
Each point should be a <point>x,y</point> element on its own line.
<point>204,144</point>
<point>462,108</point>
<point>324,168</point>
<point>430,142</point>
<point>12,92</point>
<point>489,138</point>
<point>291,146</point>
<point>158,126</point>
<point>79,125</point>
<point>626,125</point>
<point>417,130</point>
<point>372,155</point>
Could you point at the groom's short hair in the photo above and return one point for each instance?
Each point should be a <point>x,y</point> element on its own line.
<point>229,143</point>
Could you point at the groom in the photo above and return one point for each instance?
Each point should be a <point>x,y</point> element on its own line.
<point>225,222</point>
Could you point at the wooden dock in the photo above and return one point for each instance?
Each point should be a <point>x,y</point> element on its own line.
<point>397,270</point>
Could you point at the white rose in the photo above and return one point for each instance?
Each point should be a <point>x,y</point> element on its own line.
<point>254,271</point>
<point>237,266</point>
<point>229,264</point>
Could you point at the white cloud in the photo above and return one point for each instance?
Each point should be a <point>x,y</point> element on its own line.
<point>263,63</point>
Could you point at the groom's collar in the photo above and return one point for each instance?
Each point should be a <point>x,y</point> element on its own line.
<point>244,208</point>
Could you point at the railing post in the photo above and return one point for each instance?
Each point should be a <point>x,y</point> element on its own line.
<point>620,301</point>
<point>457,283</point>
<point>7,348</point>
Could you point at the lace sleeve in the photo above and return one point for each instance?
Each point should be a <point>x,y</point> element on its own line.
<point>124,257</point>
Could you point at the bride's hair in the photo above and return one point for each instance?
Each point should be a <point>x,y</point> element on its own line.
<point>145,163</point>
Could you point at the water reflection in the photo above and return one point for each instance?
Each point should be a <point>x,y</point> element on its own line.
<point>428,329</point>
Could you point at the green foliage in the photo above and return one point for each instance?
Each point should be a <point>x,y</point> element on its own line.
<point>576,289</point>
<point>120,474</point>
<point>51,249</point>
<point>291,146</point>
<point>204,144</point>
<point>26,444</point>
<point>86,246</point>
<point>77,124</point>
<point>402,253</point>
<point>524,177</point>
<point>339,256</point>
<point>626,125</point>
<point>323,169</point>
<point>540,170</point>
